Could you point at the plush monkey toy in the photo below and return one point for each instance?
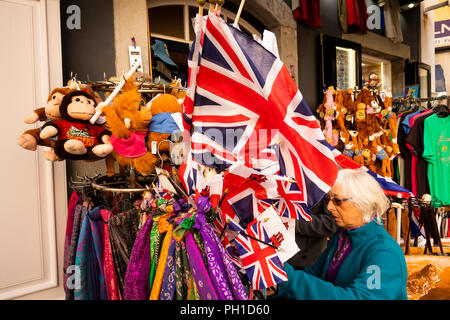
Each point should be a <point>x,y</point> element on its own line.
<point>372,109</point>
<point>162,125</point>
<point>360,118</point>
<point>78,139</point>
<point>341,113</point>
<point>128,119</point>
<point>30,139</point>
<point>330,108</point>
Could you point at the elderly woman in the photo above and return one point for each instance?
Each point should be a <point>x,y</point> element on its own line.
<point>361,261</point>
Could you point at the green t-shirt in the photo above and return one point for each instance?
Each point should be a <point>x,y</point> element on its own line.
<point>436,138</point>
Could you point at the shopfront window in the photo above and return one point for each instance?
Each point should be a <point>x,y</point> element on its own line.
<point>376,73</point>
<point>346,71</point>
<point>171,22</point>
<point>175,21</point>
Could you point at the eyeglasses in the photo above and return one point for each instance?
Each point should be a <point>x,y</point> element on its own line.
<point>336,201</point>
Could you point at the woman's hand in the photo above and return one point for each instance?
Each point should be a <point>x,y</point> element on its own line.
<point>271,291</point>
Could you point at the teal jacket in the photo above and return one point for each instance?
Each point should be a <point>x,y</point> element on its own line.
<point>375,269</point>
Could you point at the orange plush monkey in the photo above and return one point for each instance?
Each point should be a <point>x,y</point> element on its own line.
<point>360,118</point>
<point>128,119</point>
<point>162,125</point>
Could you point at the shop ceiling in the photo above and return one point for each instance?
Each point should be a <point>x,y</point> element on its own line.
<point>404,2</point>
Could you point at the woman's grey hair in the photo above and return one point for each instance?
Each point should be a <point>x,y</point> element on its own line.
<point>365,193</point>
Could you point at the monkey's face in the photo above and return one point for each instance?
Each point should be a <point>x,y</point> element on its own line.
<point>52,107</point>
<point>81,108</point>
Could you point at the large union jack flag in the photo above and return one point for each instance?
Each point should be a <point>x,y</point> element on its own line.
<point>261,262</point>
<point>239,90</point>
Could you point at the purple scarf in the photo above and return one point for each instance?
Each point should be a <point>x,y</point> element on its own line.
<point>223,272</point>
<point>136,285</point>
<point>203,282</point>
<point>344,248</point>
<point>215,263</point>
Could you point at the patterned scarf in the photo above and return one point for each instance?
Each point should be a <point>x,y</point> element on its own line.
<point>168,284</point>
<point>200,274</point>
<point>112,287</point>
<point>163,226</point>
<point>123,229</point>
<point>155,243</point>
<point>136,285</point>
<point>79,214</point>
<point>73,205</point>
<point>89,259</point>
<point>215,263</point>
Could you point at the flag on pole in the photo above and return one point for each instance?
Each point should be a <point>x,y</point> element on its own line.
<point>260,261</point>
<point>241,91</point>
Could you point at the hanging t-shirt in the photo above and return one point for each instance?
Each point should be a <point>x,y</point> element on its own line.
<point>414,156</point>
<point>415,139</point>
<point>405,154</point>
<point>405,122</point>
<point>436,138</point>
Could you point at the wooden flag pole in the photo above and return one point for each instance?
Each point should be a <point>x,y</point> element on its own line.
<point>219,5</point>
<point>110,98</point>
<point>201,4</point>
<point>212,5</point>
<point>241,7</point>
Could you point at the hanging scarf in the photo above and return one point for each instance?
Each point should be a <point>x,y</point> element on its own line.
<point>123,229</point>
<point>343,249</point>
<point>73,205</point>
<point>192,290</point>
<point>89,259</point>
<point>112,287</point>
<point>168,284</point>
<point>210,237</point>
<point>200,274</point>
<point>182,271</point>
<point>136,278</point>
<point>163,226</point>
<point>215,263</point>
<point>155,243</point>
<point>78,217</point>
<point>201,244</point>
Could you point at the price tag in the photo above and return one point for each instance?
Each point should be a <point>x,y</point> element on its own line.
<point>154,147</point>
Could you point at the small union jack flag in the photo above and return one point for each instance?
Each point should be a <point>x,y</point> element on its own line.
<point>292,203</point>
<point>260,261</point>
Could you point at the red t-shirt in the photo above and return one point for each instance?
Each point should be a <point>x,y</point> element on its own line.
<point>84,132</point>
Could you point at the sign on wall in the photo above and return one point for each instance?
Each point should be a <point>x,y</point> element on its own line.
<point>442,33</point>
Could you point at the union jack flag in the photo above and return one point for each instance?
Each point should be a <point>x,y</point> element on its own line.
<point>292,203</point>
<point>188,174</point>
<point>238,90</point>
<point>260,261</point>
